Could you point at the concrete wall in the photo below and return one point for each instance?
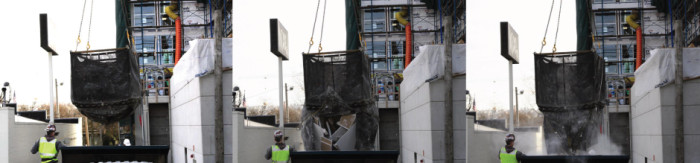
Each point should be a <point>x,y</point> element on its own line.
<point>250,143</point>
<point>18,135</point>
<point>422,121</point>
<point>192,119</point>
<point>653,124</point>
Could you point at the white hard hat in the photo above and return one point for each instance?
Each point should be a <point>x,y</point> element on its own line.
<point>50,127</point>
<point>127,142</point>
<point>278,133</point>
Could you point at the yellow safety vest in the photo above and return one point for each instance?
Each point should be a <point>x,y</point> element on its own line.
<point>47,150</point>
<point>508,157</point>
<point>280,155</point>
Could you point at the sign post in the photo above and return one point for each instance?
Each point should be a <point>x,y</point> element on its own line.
<point>509,50</point>
<point>279,45</point>
<point>44,34</point>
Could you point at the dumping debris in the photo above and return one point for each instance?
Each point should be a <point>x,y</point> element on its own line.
<point>571,95</point>
<point>339,113</point>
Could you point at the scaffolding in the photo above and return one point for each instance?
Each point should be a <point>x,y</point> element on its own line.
<point>383,38</point>
<point>153,35</point>
<point>615,38</point>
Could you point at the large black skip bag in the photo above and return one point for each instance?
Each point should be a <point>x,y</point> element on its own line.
<point>105,84</point>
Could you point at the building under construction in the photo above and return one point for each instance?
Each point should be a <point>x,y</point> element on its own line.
<point>159,40</point>
<point>390,33</point>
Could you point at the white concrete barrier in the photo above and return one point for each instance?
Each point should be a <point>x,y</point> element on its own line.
<point>18,134</point>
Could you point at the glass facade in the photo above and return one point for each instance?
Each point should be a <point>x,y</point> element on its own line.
<point>605,24</point>
<point>615,42</point>
<point>374,21</point>
<point>144,15</point>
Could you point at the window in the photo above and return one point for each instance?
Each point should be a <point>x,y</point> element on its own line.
<point>167,43</point>
<point>379,65</point>
<point>374,21</point>
<point>625,28</point>
<point>627,67</point>
<point>376,49</point>
<point>164,18</point>
<point>628,52</point>
<point>397,48</point>
<point>605,24</point>
<point>147,59</point>
<point>611,68</point>
<point>144,15</point>
<point>396,64</point>
<point>395,25</point>
<point>145,44</point>
<point>167,58</point>
<point>609,53</point>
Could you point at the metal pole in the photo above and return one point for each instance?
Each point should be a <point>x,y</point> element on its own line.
<point>517,112</point>
<point>281,110</point>
<point>218,90</point>
<point>449,145</point>
<point>58,106</point>
<point>51,88</point>
<point>680,149</point>
<point>286,100</point>
<point>510,97</point>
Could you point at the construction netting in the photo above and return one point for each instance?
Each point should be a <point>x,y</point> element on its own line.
<point>339,113</point>
<point>572,81</point>
<point>571,94</point>
<point>105,84</point>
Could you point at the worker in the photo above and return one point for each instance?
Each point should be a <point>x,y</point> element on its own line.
<point>509,154</point>
<point>280,151</point>
<point>47,146</point>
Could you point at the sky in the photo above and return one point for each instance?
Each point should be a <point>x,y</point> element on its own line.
<point>24,64</point>
<point>255,68</point>
<point>487,70</point>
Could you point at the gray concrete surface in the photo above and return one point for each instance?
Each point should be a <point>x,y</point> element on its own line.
<point>192,119</point>
<point>422,124</point>
<point>653,123</point>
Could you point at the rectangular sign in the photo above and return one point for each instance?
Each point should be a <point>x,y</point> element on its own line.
<point>509,43</point>
<point>279,45</point>
<point>44,26</point>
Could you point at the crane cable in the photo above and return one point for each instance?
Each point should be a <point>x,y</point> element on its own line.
<point>87,47</point>
<point>323,22</point>
<point>544,42</point>
<point>554,48</point>
<point>313,29</point>
<point>80,29</point>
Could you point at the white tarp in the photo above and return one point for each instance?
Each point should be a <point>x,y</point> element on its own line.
<point>430,65</point>
<point>199,59</point>
<point>660,69</point>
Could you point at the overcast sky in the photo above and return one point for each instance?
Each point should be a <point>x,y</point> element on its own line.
<point>25,65</point>
<point>487,70</point>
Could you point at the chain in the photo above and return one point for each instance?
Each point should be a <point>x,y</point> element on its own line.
<point>80,29</point>
<point>313,29</point>
<point>544,42</point>
<point>556,35</point>
<point>92,2</point>
<point>323,22</point>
